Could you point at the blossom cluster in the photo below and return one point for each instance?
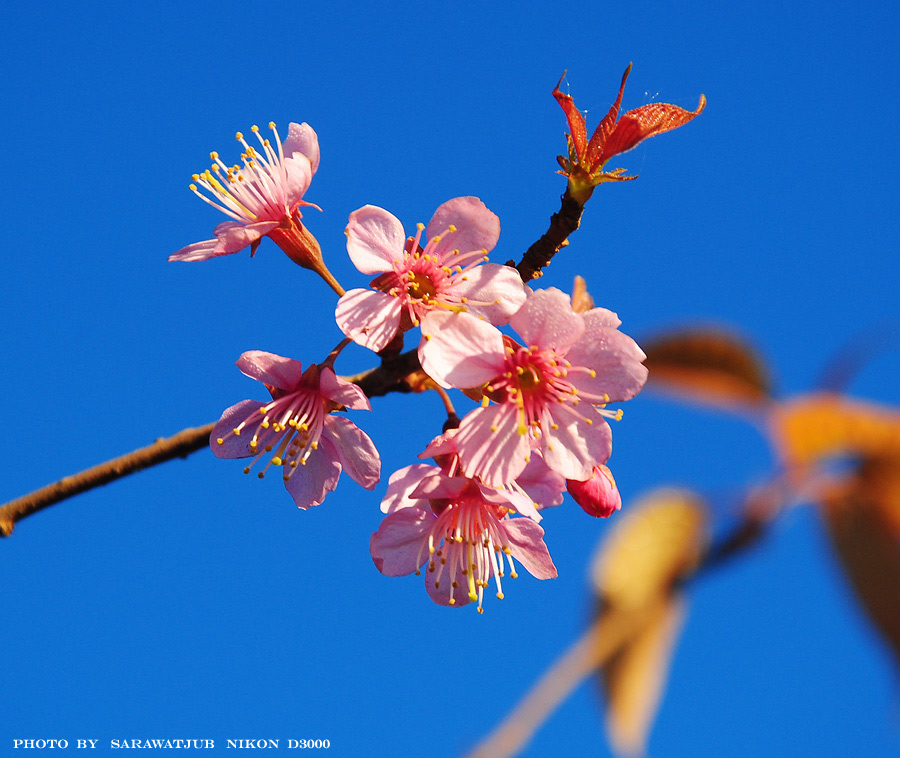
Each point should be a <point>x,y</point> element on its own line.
<point>542,372</point>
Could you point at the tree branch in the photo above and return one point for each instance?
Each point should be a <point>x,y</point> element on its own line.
<point>180,445</point>
<point>562,224</point>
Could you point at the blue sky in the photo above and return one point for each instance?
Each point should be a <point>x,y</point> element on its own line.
<point>191,601</point>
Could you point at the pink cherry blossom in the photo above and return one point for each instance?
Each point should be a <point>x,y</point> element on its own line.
<point>461,528</point>
<point>298,428</point>
<point>448,274</point>
<point>545,394</point>
<point>263,197</point>
<point>598,496</point>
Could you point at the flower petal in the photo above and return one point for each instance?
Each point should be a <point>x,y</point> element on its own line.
<point>270,369</point>
<point>302,138</point>
<point>526,543</point>
<point>477,228</point>
<point>397,547</point>
<point>490,446</point>
<point>341,391</point>
<point>543,485</point>
<point>375,239</point>
<point>459,350</point>
<point>402,483</point>
<point>309,484</point>
<point>441,595</point>
<point>548,321</point>
<point>637,125</point>
<point>575,446</point>
<point>616,361</point>
<point>298,176</point>
<point>354,449</point>
<point>368,317</point>
<point>494,292</point>
<point>236,446</point>
<point>235,238</point>
<point>198,251</point>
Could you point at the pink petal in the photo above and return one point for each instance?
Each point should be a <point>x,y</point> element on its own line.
<point>616,361</point>
<point>302,138</point>
<point>548,321</point>
<point>510,498</point>
<point>439,487</point>
<point>441,445</point>
<point>368,317</point>
<point>402,483</point>
<point>309,484</point>
<point>375,239</point>
<point>459,350</point>
<point>341,391</point>
<point>396,547</point>
<point>199,251</point>
<point>575,447</point>
<point>477,228</point>
<point>270,369</point>
<point>235,238</point>
<point>298,176</point>
<point>441,595</point>
<point>497,457</point>
<point>500,287</point>
<point>526,543</point>
<point>236,446</point>
<point>600,317</point>
<point>354,449</point>
<point>543,485</point>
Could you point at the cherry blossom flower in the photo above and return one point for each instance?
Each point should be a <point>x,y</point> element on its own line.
<point>461,528</point>
<point>586,159</point>
<point>598,496</point>
<point>298,428</point>
<point>263,197</point>
<point>544,394</point>
<point>447,275</point>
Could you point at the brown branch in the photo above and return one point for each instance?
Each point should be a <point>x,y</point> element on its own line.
<point>562,224</point>
<point>180,445</point>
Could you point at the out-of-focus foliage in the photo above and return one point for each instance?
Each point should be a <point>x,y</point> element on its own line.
<point>839,454</point>
<point>708,365</point>
<point>636,575</point>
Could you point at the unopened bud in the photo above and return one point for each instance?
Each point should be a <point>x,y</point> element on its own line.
<point>598,496</point>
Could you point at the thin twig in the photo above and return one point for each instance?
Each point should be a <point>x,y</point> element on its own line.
<point>180,445</point>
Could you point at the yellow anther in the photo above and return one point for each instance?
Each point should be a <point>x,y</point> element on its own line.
<point>220,441</point>
<point>254,128</point>
<point>493,427</point>
<point>594,376</point>
<point>451,228</point>
<point>271,125</point>
<point>420,226</point>
<point>192,187</point>
<point>276,461</point>
<point>499,596</point>
<point>236,432</point>
<point>213,155</point>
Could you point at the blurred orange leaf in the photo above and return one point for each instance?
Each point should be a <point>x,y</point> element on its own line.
<point>813,427</point>
<point>633,679</point>
<point>708,365</point>
<point>862,518</point>
<point>581,298</point>
<point>656,543</point>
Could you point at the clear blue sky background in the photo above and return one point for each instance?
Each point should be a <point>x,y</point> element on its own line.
<point>191,601</point>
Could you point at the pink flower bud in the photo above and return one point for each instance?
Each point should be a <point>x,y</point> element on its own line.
<point>598,496</point>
